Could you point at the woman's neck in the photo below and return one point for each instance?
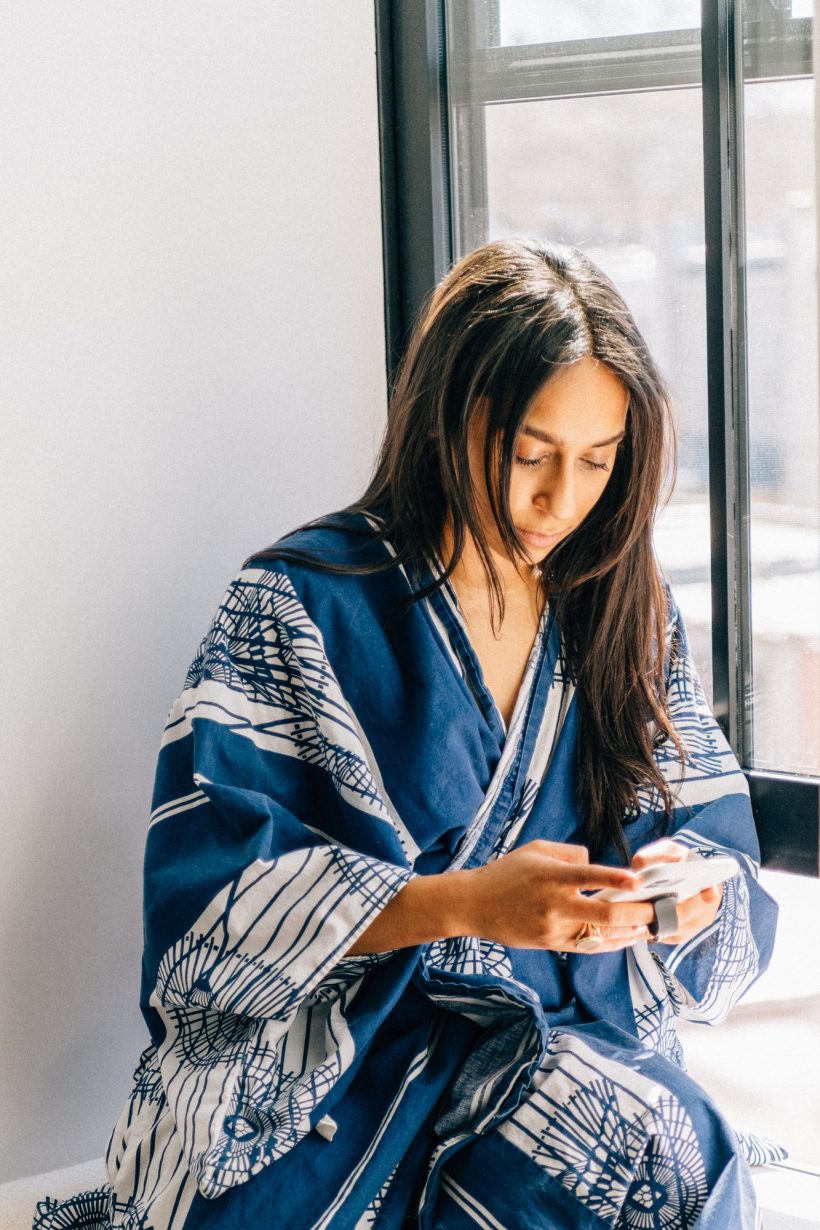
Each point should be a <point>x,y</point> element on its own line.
<point>521,582</point>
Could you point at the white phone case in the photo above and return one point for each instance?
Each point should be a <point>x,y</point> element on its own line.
<point>680,880</point>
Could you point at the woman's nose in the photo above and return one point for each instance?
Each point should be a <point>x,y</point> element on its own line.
<point>558,496</point>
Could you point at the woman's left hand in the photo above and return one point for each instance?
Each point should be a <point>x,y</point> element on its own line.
<point>694,913</point>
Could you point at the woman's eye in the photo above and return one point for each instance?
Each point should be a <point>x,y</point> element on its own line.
<point>539,461</point>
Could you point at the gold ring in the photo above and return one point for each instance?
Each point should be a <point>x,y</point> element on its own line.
<point>589,938</point>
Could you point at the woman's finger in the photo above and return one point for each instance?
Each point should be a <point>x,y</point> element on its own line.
<point>565,851</point>
<point>702,907</point>
<point>694,914</point>
<point>710,898</point>
<point>624,933</point>
<point>613,913</point>
<point>594,876</point>
<point>664,851</point>
<point>608,944</point>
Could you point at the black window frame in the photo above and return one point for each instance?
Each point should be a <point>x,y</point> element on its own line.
<point>414,114</point>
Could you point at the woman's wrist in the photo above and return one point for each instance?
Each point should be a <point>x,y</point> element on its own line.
<point>456,900</point>
<point>426,908</point>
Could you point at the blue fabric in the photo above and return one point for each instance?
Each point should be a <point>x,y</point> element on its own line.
<point>318,758</point>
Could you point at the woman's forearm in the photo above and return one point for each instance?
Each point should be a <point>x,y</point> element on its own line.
<point>534,896</point>
<point>427,908</point>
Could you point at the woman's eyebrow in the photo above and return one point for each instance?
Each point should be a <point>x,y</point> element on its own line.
<point>548,439</point>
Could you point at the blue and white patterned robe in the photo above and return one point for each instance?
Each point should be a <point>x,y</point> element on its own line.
<point>316,760</point>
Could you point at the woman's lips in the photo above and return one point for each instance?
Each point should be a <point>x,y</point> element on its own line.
<point>540,540</point>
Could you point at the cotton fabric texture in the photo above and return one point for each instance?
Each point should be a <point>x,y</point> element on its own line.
<point>318,758</point>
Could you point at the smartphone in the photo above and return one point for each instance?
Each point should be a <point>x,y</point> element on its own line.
<point>680,880</point>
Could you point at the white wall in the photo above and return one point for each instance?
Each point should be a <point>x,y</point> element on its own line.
<point>193,363</point>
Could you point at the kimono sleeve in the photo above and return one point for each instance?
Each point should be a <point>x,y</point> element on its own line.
<point>271,847</point>
<point>703,977</point>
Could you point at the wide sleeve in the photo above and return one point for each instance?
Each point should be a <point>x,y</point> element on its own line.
<point>271,847</point>
<point>702,978</point>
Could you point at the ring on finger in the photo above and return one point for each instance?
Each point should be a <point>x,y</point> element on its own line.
<point>589,938</point>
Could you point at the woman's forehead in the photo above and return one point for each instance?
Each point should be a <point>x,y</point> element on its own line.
<point>582,404</point>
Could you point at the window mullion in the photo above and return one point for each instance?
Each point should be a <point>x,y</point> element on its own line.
<point>422,158</point>
<point>726,357</point>
<point>473,27</point>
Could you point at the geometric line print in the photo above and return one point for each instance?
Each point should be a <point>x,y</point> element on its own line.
<point>710,770</point>
<point>173,807</point>
<point>591,1123</point>
<point>414,1071</point>
<point>707,974</point>
<point>669,1187</point>
<point>515,821</point>
<point>760,1150</point>
<point>254,1000</point>
<point>266,940</point>
<point>735,957</point>
<point>478,1214</point>
<point>96,1209</point>
<point>269,1092</point>
<point>549,729</point>
<point>262,669</point>
<point>145,1164</point>
<point>89,1209</point>
<point>370,1216</point>
<point>146,1083</point>
<point>701,983</point>
<point>655,1023</point>
<point>467,954</point>
<point>711,849</point>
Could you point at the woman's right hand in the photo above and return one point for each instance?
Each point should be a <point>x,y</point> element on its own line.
<point>532,897</point>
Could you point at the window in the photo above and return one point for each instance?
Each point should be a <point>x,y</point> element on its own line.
<point>681,158</point>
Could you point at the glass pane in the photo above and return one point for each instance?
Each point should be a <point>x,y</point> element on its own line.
<point>620,177</point>
<point>553,21</point>
<point>783,423</point>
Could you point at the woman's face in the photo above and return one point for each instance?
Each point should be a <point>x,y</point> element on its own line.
<point>563,459</point>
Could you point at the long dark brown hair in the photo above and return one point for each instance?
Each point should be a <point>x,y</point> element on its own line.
<point>502,321</point>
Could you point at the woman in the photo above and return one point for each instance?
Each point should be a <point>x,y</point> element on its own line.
<point>416,738</point>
